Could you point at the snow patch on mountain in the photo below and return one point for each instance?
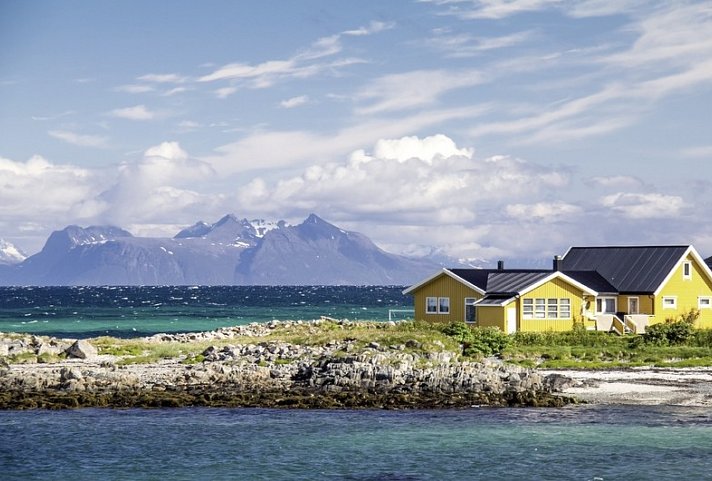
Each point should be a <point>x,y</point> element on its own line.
<point>10,254</point>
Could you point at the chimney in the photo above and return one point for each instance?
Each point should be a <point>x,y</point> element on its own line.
<point>500,265</point>
<point>557,263</point>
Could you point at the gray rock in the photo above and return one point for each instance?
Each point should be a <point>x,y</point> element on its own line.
<point>82,349</point>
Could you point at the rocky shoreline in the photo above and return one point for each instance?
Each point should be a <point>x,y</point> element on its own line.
<point>341,373</point>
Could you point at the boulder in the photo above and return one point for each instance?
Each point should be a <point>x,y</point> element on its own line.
<point>82,349</point>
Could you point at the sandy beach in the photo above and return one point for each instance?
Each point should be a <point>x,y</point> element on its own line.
<point>640,386</point>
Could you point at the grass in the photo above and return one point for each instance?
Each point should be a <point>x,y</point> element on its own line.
<point>418,336</point>
<point>597,350</point>
<point>576,349</point>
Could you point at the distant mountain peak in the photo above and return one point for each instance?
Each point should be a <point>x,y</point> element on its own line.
<point>228,252</point>
<point>10,254</point>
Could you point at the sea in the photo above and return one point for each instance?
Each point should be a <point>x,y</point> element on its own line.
<point>582,442</point>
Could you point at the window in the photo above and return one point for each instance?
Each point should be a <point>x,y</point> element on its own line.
<point>606,305</point>
<point>704,302</point>
<point>528,309</point>
<point>470,309</point>
<point>552,308</point>
<point>633,305</point>
<point>564,308</point>
<point>687,270</point>
<point>431,305</point>
<point>541,308</point>
<point>670,302</point>
<point>437,305</point>
<point>443,305</point>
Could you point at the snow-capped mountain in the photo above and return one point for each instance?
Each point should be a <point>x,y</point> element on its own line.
<point>10,254</point>
<point>230,251</point>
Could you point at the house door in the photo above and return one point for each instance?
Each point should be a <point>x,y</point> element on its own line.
<point>633,307</point>
<point>511,320</point>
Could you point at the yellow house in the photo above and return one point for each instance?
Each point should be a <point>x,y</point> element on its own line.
<point>618,288</point>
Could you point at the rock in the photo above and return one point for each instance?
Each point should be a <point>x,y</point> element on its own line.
<point>82,349</point>
<point>69,373</point>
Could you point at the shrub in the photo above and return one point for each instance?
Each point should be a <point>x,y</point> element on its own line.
<point>485,341</point>
<point>670,333</point>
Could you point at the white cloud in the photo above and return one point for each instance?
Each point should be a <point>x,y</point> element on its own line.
<point>294,102</point>
<point>79,139</point>
<point>134,89</point>
<point>467,45</point>
<point>225,92</point>
<point>174,91</point>
<point>266,150</point>
<point>42,191</point>
<point>427,180</point>
<point>644,206</point>
<point>547,212</point>
<point>420,88</point>
<point>698,151</point>
<point>303,64</point>
<point>373,27</point>
<point>138,112</point>
<point>150,189</point>
<point>163,78</point>
<point>406,148</point>
<point>492,9</point>
<point>615,182</point>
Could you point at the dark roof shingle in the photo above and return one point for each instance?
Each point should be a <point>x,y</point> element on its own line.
<point>629,269</point>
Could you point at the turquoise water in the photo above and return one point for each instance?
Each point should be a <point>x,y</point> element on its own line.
<point>576,443</point>
<point>134,311</point>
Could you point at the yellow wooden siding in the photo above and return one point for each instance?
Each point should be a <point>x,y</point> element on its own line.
<point>645,303</point>
<point>554,289</point>
<point>491,316</point>
<point>443,286</point>
<point>687,292</point>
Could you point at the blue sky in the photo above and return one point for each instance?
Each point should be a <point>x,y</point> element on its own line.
<point>481,128</point>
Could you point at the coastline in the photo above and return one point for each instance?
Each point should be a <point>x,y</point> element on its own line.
<point>292,364</point>
<point>258,365</point>
<point>639,386</point>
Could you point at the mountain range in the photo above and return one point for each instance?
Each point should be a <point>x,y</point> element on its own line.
<point>231,251</point>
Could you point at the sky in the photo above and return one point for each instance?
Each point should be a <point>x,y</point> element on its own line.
<point>474,128</point>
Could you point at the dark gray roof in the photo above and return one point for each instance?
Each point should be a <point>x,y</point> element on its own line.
<point>495,300</point>
<point>628,269</point>
<point>593,280</point>
<point>494,281</point>
<point>502,282</point>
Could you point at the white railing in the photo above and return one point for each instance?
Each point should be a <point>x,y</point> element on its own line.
<point>635,323</point>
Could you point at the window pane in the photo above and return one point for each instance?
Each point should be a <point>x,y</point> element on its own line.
<point>431,304</point>
<point>540,308</point>
<point>528,309</point>
<point>565,308</point>
<point>552,310</point>
<point>444,305</point>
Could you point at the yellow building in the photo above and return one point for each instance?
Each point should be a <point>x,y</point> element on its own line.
<point>618,288</point>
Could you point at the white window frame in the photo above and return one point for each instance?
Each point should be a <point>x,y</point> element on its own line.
<point>471,301</point>
<point>528,308</point>
<point>542,308</point>
<point>443,307</point>
<point>707,305</point>
<point>637,305</point>
<point>687,266</point>
<point>603,299</point>
<point>670,298</point>
<point>427,305</point>
<point>564,302</point>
